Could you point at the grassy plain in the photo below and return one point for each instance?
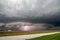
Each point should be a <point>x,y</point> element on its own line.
<point>15,33</point>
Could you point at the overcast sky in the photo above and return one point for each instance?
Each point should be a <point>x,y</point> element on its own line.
<point>29,7</point>
<point>39,9</point>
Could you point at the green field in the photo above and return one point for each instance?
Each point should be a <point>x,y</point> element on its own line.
<point>49,37</point>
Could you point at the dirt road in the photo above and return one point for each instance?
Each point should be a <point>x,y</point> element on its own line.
<point>23,37</point>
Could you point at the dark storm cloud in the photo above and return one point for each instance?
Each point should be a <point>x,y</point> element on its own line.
<point>54,19</point>
<point>40,11</point>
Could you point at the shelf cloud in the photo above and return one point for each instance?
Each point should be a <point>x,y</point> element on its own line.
<point>46,11</point>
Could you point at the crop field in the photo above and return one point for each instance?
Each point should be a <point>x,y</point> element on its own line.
<point>14,33</point>
<point>49,37</point>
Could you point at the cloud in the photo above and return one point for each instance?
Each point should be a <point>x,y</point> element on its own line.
<point>31,10</point>
<point>28,7</point>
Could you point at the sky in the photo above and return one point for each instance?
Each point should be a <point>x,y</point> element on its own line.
<point>37,11</point>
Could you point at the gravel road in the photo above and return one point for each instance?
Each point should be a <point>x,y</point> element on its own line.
<point>23,37</point>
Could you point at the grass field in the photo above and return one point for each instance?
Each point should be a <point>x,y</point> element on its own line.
<point>49,37</point>
<point>14,33</point>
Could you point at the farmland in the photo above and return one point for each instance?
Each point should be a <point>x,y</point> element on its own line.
<point>14,33</point>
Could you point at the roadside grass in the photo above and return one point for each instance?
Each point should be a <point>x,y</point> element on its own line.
<point>48,37</point>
